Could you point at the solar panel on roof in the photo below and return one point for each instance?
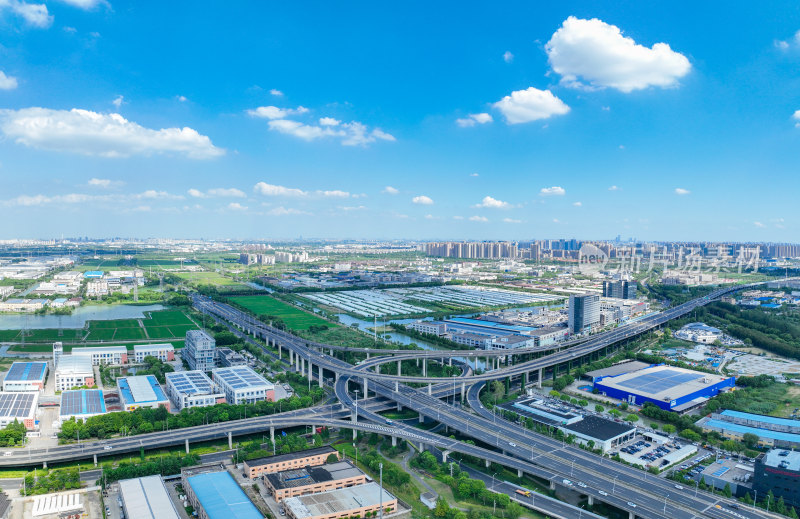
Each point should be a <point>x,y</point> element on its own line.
<point>658,381</point>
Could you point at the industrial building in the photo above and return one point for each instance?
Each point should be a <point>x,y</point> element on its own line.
<point>74,371</point>
<point>192,389</point>
<point>199,350</point>
<point>106,355</point>
<point>759,421</point>
<point>216,495</point>
<point>779,471</point>
<point>310,480</point>
<point>768,429</point>
<point>20,407</point>
<point>163,352</point>
<point>81,404</point>
<point>626,366</point>
<point>294,460</point>
<point>146,498</point>
<point>670,388</point>
<point>728,472</point>
<point>242,385</point>
<point>584,312</point>
<point>141,391</point>
<point>355,501</point>
<point>25,376</point>
<point>226,358</point>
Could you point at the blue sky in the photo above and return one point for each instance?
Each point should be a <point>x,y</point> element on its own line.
<point>368,120</point>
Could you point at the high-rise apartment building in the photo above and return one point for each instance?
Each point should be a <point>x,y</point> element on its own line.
<point>200,350</point>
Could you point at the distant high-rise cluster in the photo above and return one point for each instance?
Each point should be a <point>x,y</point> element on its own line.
<point>472,250</point>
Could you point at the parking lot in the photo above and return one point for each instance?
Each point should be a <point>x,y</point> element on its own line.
<point>647,453</point>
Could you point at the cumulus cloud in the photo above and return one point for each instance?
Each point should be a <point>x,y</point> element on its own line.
<point>99,182</point>
<point>218,191</point>
<point>473,119</point>
<point>508,57</point>
<point>477,218</point>
<point>350,134</point>
<point>182,99</point>
<point>614,188</point>
<point>236,206</point>
<point>7,82</point>
<point>681,191</point>
<point>577,204</point>
<point>796,117</point>
<point>336,193</point>
<point>350,208</point>
<point>492,203</point>
<point>273,112</point>
<point>329,121</point>
<point>389,190</point>
<point>276,92</point>
<point>793,42</point>
<point>511,220</point>
<point>532,104</point>
<point>105,135</point>
<point>422,200</point>
<point>272,190</point>
<point>84,4</point>
<point>595,54</point>
<point>118,200</point>
<point>118,101</point>
<point>552,191</point>
<point>474,175</point>
<point>196,193</point>
<point>33,14</point>
<point>759,225</point>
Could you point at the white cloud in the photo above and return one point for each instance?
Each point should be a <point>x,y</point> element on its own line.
<point>474,175</point>
<point>117,102</point>
<point>796,117</point>
<point>336,193</point>
<point>226,192</point>
<point>577,204</point>
<point>236,206</point>
<point>508,57</point>
<point>7,82</point>
<point>283,211</point>
<point>273,112</point>
<point>556,220</point>
<point>196,193</point>
<point>552,191</point>
<point>458,218</point>
<point>33,14</point>
<point>681,191</point>
<point>272,190</point>
<point>794,42</point>
<point>276,92</point>
<point>104,183</point>
<point>152,194</point>
<point>182,99</point>
<point>477,218</point>
<point>422,200</point>
<point>473,119</point>
<point>511,220</point>
<point>351,134</point>
<point>524,106</point>
<point>492,203</point>
<point>595,54</point>
<point>350,208</point>
<point>329,121</point>
<point>614,188</point>
<point>105,135</point>
<point>759,225</point>
<point>84,4</point>
<point>389,190</point>
<point>430,217</point>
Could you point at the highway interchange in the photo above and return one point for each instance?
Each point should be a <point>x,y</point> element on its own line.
<point>527,452</point>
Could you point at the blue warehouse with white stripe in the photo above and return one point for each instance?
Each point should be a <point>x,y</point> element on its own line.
<point>670,388</point>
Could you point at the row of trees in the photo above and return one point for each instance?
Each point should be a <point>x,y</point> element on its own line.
<point>45,482</point>
<point>164,465</point>
<point>12,434</point>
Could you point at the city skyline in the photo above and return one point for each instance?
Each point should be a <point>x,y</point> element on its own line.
<point>360,121</point>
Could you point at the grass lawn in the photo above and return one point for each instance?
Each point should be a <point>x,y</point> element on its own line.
<point>294,318</point>
<point>205,278</point>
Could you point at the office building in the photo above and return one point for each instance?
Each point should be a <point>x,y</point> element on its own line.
<point>58,351</point>
<point>25,376</point>
<point>358,501</point>
<point>294,460</point>
<point>584,312</point>
<point>141,391</point>
<point>74,371</point>
<point>778,471</point>
<point>216,495</point>
<point>619,289</point>
<point>226,358</point>
<point>311,480</point>
<point>242,385</point>
<point>192,389</point>
<point>199,350</point>
<point>146,498</point>
<point>163,352</point>
<point>105,355</point>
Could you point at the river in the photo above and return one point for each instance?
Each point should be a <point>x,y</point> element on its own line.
<point>78,317</point>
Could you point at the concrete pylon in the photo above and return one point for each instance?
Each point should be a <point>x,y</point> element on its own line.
<point>230,440</point>
<point>394,441</point>
<point>95,459</point>
<point>272,435</point>
<point>320,375</point>
<point>430,389</point>
<point>399,369</point>
<point>187,445</point>
<point>425,367</point>
<point>539,380</point>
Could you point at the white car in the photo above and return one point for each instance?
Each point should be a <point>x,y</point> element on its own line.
<point>581,484</point>
<point>107,448</point>
<point>8,453</point>
<point>679,487</point>
<point>602,492</point>
<point>632,505</point>
<point>512,444</point>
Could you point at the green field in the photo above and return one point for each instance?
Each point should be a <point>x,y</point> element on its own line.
<point>205,278</point>
<point>169,325</point>
<point>294,318</point>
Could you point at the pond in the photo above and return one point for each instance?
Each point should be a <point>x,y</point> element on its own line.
<point>78,317</point>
